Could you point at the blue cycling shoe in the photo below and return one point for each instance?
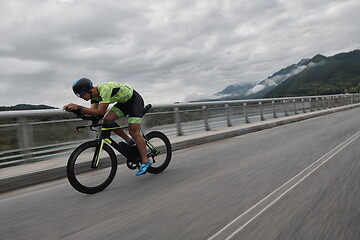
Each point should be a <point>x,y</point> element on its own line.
<point>143,168</point>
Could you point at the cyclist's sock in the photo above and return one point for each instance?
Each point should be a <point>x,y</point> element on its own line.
<point>143,168</point>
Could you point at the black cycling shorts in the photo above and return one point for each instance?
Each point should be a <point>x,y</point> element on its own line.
<point>133,108</point>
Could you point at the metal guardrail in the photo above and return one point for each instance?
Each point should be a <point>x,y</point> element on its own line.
<point>174,119</point>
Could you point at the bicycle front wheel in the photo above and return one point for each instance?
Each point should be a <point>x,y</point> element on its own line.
<point>158,150</point>
<point>85,178</point>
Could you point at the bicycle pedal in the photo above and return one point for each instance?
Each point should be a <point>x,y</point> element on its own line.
<point>132,165</point>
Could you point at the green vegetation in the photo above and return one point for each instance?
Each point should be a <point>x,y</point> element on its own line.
<point>25,107</point>
<point>21,107</point>
<point>50,133</point>
<point>323,76</point>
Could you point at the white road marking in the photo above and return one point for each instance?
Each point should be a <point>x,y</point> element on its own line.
<point>239,223</point>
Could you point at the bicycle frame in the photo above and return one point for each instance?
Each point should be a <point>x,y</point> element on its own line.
<point>104,137</point>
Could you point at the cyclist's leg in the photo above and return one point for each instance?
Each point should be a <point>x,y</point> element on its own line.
<point>134,130</point>
<point>111,116</point>
<point>135,108</point>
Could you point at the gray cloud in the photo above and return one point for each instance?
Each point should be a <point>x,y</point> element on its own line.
<point>167,50</point>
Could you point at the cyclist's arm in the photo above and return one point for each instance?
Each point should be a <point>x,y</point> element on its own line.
<point>94,105</point>
<point>96,109</point>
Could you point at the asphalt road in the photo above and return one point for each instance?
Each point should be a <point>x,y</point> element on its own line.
<point>298,181</point>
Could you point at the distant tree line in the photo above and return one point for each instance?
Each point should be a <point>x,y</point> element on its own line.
<point>19,107</point>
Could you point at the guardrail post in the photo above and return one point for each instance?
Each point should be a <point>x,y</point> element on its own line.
<point>295,109</point>
<point>285,109</point>
<point>25,138</point>
<point>205,116</point>
<point>274,109</point>
<point>178,121</point>
<point>303,104</point>
<point>228,115</point>
<point>261,112</point>
<point>325,102</point>
<point>245,113</point>
<point>317,104</point>
<point>311,108</point>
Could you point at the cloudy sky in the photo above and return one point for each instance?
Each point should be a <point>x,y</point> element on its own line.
<point>169,51</point>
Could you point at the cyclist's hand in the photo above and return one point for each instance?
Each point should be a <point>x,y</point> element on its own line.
<point>71,107</point>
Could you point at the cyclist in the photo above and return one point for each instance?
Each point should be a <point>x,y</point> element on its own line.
<point>127,102</point>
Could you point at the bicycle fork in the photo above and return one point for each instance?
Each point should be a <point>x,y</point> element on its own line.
<point>101,137</point>
<point>97,153</point>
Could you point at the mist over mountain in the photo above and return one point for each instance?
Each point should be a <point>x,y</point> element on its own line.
<point>312,76</point>
<point>235,90</point>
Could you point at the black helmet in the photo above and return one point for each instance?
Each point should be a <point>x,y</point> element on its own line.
<point>82,86</point>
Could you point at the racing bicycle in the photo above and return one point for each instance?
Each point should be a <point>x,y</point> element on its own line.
<point>92,166</point>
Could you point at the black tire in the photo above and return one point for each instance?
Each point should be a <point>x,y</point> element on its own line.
<point>86,179</point>
<point>162,157</point>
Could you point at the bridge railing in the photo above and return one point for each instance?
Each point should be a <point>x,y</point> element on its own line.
<point>25,139</point>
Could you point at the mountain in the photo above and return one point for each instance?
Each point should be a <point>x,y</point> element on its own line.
<point>277,78</point>
<point>265,86</point>
<point>323,75</point>
<point>24,107</point>
<point>316,76</point>
<point>235,90</point>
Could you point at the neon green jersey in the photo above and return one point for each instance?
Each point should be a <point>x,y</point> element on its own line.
<point>113,92</point>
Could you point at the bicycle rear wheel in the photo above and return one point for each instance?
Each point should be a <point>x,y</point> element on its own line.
<point>82,176</point>
<point>159,151</point>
